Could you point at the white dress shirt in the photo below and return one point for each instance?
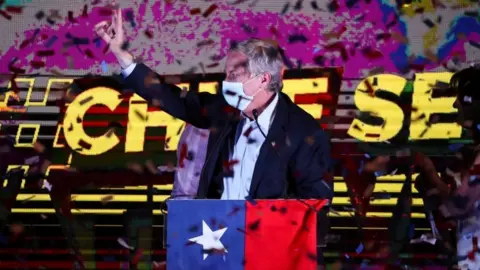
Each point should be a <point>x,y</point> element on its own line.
<point>246,152</point>
<point>129,69</point>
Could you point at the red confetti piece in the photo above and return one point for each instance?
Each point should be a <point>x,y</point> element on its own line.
<point>85,11</point>
<point>210,10</point>
<point>338,46</point>
<point>227,165</point>
<point>56,72</point>
<point>206,43</point>
<point>212,65</point>
<point>105,12</point>
<point>471,256</point>
<point>16,70</point>
<point>372,54</point>
<point>149,34</point>
<point>229,109</point>
<point>248,131</point>
<point>37,64</point>
<point>107,47</point>
<point>70,17</point>
<point>25,44</point>
<point>45,53</point>
<point>195,11</point>
<point>137,257</point>
<point>5,15</point>
<point>183,155</point>
<point>370,89</point>
<point>14,9</point>
<point>89,54</point>
<point>417,67</point>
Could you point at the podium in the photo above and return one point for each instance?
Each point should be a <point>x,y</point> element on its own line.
<point>241,234</point>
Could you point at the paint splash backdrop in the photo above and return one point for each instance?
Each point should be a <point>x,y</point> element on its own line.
<point>180,36</point>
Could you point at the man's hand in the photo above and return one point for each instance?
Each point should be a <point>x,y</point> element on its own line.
<point>112,33</point>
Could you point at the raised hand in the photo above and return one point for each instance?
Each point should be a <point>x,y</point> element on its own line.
<point>112,31</point>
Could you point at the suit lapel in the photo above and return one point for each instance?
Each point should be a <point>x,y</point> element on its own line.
<point>275,137</point>
<point>217,152</point>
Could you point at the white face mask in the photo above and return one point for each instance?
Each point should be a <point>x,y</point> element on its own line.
<point>235,96</point>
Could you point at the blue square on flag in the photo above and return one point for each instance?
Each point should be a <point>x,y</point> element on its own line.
<point>206,234</point>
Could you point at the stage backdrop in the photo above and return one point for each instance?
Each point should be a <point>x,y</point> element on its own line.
<point>174,36</point>
<point>362,46</point>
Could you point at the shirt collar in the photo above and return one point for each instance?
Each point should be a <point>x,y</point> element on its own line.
<point>265,118</point>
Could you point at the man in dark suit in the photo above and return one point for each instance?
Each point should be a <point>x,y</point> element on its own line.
<point>262,145</point>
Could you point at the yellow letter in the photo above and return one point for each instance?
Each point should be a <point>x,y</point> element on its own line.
<point>294,87</point>
<point>139,119</point>
<point>391,113</point>
<point>426,105</point>
<point>75,135</point>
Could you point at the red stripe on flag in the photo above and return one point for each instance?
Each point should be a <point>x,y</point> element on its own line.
<point>281,234</point>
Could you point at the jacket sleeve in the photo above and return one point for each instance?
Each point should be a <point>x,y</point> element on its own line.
<point>312,167</point>
<point>191,107</point>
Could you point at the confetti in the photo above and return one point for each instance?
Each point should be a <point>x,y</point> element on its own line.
<point>40,148</point>
<point>37,64</point>
<point>209,11</point>
<point>70,17</point>
<point>124,244</point>
<point>138,256</point>
<point>195,11</point>
<point>135,167</point>
<point>17,228</point>
<point>359,249</point>
<point>107,12</point>
<point>285,9</point>
<point>5,15</point>
<point>51,41</point>
<point>427,238</point>
<point>45,53</point>
<point>148,34</point>
<point>297,38</point>
<point>107,199</point>
<point>333,6</point>
<point>130,18</point>
<point>125,46</point>
<point>14,9</point>
<point>429,23</point>
<point>40,15</point>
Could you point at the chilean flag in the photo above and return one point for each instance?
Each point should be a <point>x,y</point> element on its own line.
<point>242,235</point>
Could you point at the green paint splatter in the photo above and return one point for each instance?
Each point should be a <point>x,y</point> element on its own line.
<point>15,3</point>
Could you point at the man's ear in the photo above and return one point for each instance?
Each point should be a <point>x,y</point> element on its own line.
<point>266,78</point>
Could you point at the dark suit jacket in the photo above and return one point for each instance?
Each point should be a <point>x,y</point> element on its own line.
<point>295,157</point>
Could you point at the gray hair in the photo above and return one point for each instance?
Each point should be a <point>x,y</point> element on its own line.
<point>263,57</point>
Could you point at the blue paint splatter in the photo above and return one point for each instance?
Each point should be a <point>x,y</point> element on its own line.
<point>104,66</point>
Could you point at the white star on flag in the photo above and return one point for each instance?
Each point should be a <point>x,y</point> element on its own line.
<point>209,240</point>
